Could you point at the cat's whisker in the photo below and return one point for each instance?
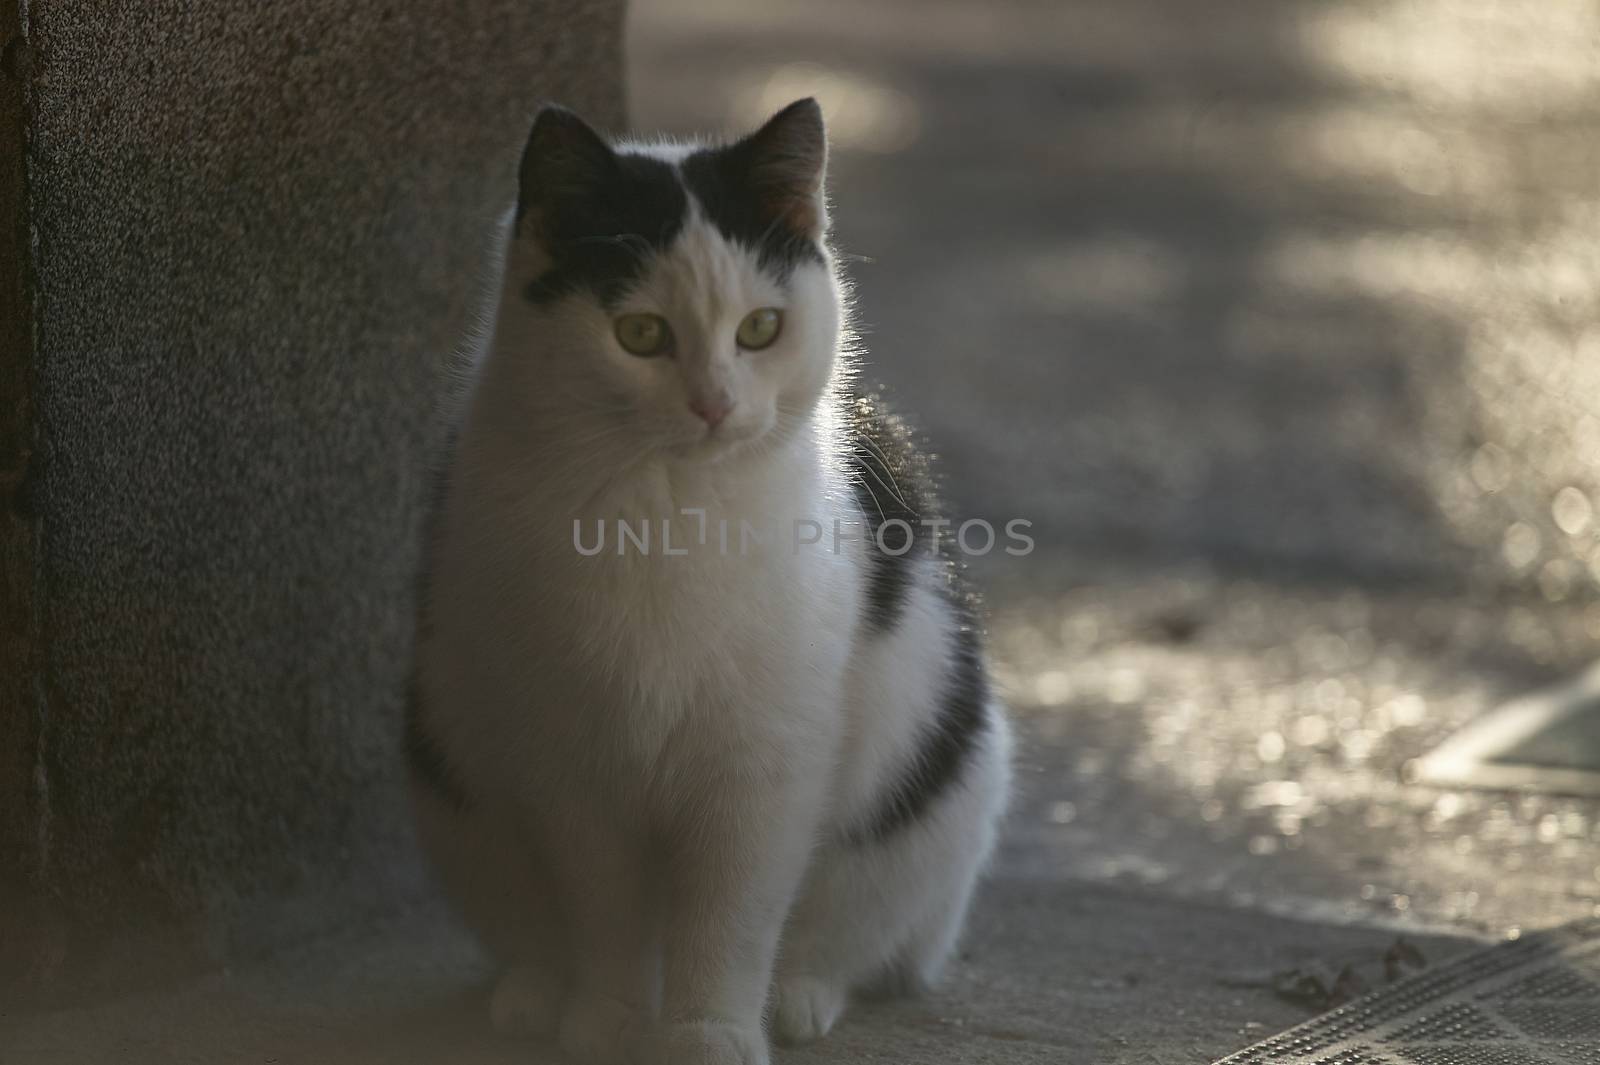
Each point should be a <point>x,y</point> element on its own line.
<point>893,492</point>
<point>893,487</point>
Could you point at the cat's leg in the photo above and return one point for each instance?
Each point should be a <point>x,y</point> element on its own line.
<point>975,826</point>
<point>887,911</point>
<point>732,873</point>
<point>838,933</point>
<point>603,880</point>
<point>486,866</point>
<point>916,966</point>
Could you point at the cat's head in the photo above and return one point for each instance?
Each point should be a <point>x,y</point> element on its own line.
<point>675,299</point>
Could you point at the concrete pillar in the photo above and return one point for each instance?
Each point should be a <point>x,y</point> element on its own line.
<point>237,241</point>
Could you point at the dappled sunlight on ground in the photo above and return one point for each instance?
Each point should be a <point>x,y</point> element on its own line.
<point>1252,742</point>
<point>1488,110</point>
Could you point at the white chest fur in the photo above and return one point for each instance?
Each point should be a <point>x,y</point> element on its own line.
<point>677,606</point>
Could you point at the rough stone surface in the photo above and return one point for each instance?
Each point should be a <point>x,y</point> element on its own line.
<point>256,230</point>
<point>19,615</point>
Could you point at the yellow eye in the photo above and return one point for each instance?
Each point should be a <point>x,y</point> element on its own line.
<point>643,334</point>
<point>760,328</point>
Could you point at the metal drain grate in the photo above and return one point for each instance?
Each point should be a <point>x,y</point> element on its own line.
<point>1532,1001</point>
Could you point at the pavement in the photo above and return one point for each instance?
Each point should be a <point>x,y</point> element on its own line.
<point>1280,321</point>
<point>1051,972</point>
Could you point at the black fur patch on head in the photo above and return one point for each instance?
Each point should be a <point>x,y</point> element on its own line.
<point>765,192</point>
<point>892,479</point>
<point>598,213</point>
<point>947,744</point>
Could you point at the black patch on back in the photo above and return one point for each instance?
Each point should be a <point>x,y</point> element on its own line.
<point>718,178</point>
<point>947,744</point>
<point>603,238</point>
<point>893,482</point>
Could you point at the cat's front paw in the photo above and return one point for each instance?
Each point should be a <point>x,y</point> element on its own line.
<point>594,1027</point>
<point>698,1043</point>
<point>526,1002</point>
<point>806,1008</point>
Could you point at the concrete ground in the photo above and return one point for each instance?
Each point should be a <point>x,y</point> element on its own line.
<point>1278,320</point>
<point>1052,971</point>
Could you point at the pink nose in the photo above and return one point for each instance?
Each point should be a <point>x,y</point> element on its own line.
<point>711,411</point>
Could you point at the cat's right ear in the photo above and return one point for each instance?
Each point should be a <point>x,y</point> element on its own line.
<point>785,161</point>
<point>564,160</point>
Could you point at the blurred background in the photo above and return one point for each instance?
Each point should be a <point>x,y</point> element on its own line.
<point>1281,323</point>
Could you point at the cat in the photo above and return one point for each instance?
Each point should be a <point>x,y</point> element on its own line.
<point>743,758</point>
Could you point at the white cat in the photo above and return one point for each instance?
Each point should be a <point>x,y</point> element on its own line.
<point>745,753</point>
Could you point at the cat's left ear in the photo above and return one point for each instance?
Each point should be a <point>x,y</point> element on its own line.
<point>786,160</point>
<point>564,161</point>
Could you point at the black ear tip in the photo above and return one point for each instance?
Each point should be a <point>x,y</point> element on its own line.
<point>805,108</point>
<point>800,123</point>
<point>554,116</point>
<point>559,130</point>
<point>562,152</point>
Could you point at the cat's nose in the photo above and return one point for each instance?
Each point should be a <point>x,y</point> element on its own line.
<point>711,410</point>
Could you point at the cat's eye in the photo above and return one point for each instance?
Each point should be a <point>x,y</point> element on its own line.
<point>643,334</point>
<point>760,328</point>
